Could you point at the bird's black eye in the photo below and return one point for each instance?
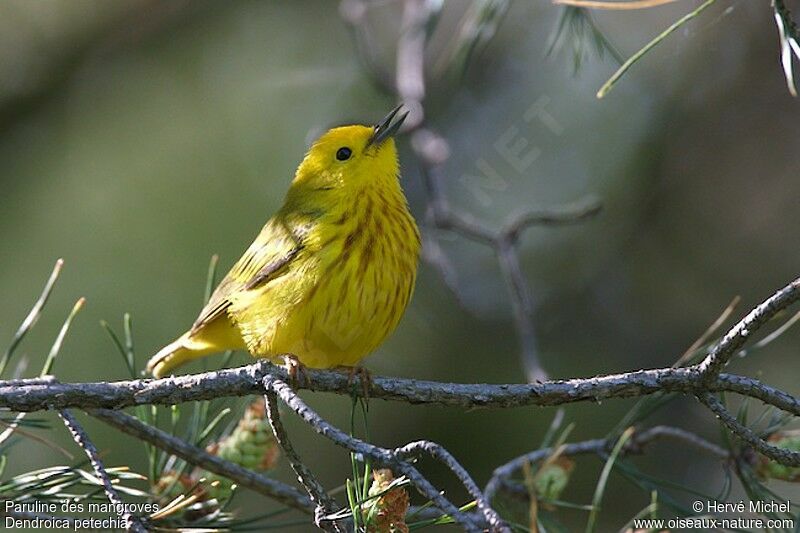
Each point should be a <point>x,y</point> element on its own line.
<point>343,153</point>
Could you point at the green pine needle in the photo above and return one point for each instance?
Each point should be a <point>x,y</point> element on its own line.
<point>56,347</point>
<point>607,86</point>
<point>33,315</point>
<point>603,480</point>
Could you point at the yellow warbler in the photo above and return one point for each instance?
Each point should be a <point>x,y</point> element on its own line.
<point>330,274</point>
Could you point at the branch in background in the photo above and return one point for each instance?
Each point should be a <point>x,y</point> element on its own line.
<point>504,241</point>
<point>197,456</point>
<point>132,523</point>
<point>502,474</point>
<point>432,151</point>
<point>687,437</point>
<point>324,504</point>
<point>354,13</point>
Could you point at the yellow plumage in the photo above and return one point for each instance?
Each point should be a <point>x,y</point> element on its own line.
<point>330,274</point>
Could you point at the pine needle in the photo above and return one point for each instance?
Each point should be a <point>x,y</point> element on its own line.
<point>33,315</point>
<point>607,86</point>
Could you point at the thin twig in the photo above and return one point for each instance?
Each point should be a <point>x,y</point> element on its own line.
<point>563,215</point>
<point>781,455</point>
<point>638,441</point>
<point>736,337</point>
<point>523,308</point>
<point>441,454</point>
<point>324,504</point>
<point>687,437</point>
<point>132,523</point>
<point>502,473</point>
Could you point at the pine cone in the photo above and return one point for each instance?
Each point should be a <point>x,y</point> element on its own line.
<point>251,445</point>
<point>388,510</point>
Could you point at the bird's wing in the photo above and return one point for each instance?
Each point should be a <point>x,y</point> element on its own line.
<point>267,258</point>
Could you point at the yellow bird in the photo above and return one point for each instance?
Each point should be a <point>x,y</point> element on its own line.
<point>330,274</point>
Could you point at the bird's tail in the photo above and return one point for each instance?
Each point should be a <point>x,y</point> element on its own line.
<point>217,336</point>
<point>178,352</point>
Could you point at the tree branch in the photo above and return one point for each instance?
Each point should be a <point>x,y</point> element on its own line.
<point>409,86</point>
<point>640,439</point>
<point>245,380</point>
<point>737,336</point>
<point>324,504</point>
<point>781,455</point>
<point>700,380</point>
<point>395,459</point>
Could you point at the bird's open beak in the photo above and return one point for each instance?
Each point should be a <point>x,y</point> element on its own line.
<point>387,128</point>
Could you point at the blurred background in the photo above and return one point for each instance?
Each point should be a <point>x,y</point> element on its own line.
<point>138,138</point>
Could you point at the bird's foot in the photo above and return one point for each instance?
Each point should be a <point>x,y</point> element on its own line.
<point>297,372</point>
<point>364,378</point>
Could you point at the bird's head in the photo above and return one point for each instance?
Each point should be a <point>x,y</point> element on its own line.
<point>349,158</point>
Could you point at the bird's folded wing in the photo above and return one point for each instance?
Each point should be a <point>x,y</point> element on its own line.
<point>267,258</point>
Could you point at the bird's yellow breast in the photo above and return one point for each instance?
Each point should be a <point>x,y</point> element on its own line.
<point>347,289</point>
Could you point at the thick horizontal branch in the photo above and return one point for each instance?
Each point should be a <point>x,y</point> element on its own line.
<point>39,395</point>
